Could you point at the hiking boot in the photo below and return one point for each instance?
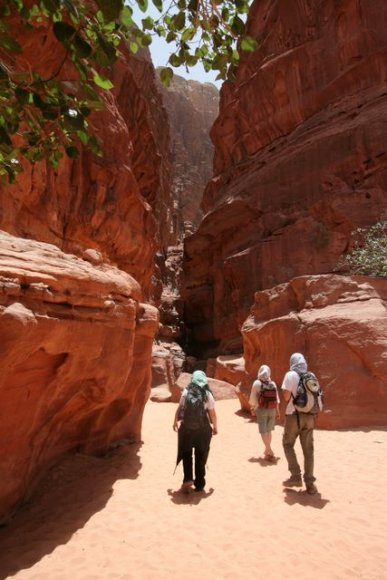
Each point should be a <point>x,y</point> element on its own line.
<point>311,488</point>
<point>187,487</point>
<point>293,481</point>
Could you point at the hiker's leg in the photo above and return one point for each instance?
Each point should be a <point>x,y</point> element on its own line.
<point>266,438</point>
<point>202,449</point>
<point>263,429</point>
<point>270,423</point>
<point>187,465</point>
<point>289,437</point>
<point>307,444</point>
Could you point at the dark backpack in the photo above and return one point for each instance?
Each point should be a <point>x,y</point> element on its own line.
<point>267,398</point>
<point>309,396</point>
<point>194,411</point>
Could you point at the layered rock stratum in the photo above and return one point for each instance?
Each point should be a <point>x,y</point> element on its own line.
<point>75,359</point>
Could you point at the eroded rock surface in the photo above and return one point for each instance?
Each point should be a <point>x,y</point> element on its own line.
<point>300,159</point>
<point>75,359</point>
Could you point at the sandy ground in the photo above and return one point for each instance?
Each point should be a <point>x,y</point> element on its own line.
<point>122,516</point>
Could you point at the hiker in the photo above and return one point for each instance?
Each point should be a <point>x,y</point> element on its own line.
<point>198,422</point>
<point>264,404</point>
<point>298,424</point>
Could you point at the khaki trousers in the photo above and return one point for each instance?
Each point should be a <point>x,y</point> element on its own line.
<point>303,429</point>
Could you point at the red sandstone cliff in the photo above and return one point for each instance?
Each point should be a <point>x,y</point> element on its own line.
<point>114,203</point>
<point>75,359</point>
<point>300,159</point>
<point>77,329</point>
<point>192,108</point>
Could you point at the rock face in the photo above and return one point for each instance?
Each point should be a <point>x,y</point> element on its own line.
<point>340,324</point>
<point>192,108</point>
<point>114,203</point>
<point>75,359</point>
<point>78,276</point>
<point>300,159</point>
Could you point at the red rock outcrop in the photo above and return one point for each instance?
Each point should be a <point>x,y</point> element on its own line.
<point>192,108</point>
<point>300,159</point>
<point>340,324</point>
<point>75,359</point>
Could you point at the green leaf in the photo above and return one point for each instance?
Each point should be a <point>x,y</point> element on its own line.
<point>72,151</point>
<point>248,44</point>
<point>133,46</point>
<point>143,5</point>
<point>10,43</point>
<point>179,21</point>
<point>63,31</point>
<point>158,4</point>
<point>238,26</point>
<point>111,9</point>
<point>51,5</point>
<point>166,75</point>
<point>3,72</point>
<point>105,54</point>
<point>126,16</point>
<point>4,137</point>
<point>22,95</point>
<point>188,34</point>
<point>102,82</point>
<point>175,60</point>
<point>147,23</point>
<point>82,48</point>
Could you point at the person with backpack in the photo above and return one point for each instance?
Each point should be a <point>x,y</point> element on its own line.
<point>196,422</point>
<point>303,396</point>
<point>264,404</point>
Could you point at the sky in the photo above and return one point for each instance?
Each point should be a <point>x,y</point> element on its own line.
<point>160,52</point>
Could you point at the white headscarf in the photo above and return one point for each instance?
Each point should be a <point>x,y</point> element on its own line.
<point>199,379</point>
<point>264,373</point>
<point>298,363</point>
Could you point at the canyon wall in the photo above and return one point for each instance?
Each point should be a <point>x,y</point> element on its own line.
<point>192,108</point>
<point>77,277</point>
<point>300,160</point>
<point>74,359</point>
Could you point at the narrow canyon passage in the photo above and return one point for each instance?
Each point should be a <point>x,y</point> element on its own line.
<point>121,516</point>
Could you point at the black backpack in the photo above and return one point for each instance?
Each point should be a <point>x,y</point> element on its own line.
<point>194,411</point>
<point>309,396</point>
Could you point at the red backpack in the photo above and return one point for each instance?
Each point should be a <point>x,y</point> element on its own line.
<point>267,398</point>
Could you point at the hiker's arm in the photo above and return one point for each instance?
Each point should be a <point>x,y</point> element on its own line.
<point>214,420</point>
<point>287,395</point>
<point>278,414</point>
<point>253,399</point>
<point>176,420</point>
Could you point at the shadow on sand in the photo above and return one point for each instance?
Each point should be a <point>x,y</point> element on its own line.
<point>63,501</point>
<point>193,498</point>
<point>301,497</point>
<point>264,462</point>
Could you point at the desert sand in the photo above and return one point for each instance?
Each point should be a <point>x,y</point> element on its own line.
<point>122,516</point>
